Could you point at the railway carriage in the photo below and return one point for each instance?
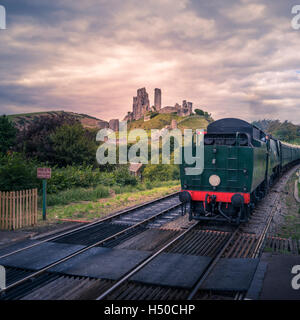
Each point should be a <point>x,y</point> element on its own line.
<point>241,162</point>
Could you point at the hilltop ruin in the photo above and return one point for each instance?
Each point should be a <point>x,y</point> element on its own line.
<point>141,106</point>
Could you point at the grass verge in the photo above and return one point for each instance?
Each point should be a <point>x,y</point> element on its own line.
<point>118,199</point>
<point>291,225</point>
<point>76,194</point>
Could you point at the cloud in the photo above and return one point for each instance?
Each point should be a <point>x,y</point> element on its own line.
<point>235,58</point>
<point>245,13</point>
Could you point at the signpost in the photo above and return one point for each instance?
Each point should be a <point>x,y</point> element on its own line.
<point>44,173</point>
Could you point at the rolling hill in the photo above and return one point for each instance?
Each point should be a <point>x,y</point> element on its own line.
<point>23,120</point>
<point>157,121</point>
<point>163,120</point>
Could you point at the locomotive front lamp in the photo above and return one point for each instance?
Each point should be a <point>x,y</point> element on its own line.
<point>214,180</point>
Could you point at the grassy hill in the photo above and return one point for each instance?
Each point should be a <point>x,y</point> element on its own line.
<point>193,122</point>
<point>24,119</point>
<point>160,121</point>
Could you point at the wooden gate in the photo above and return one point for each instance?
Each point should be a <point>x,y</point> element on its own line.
<point>18,209</point>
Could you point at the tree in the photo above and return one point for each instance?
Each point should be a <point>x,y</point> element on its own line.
<point>204,114</point>
<point>207,115</point>
<point>161,172</point>
<point>17,173</point>
<point>285,131</point>
<point>7,134</point>
<point>72,146</point>
<point>199,112</point>
<point>34,141</point>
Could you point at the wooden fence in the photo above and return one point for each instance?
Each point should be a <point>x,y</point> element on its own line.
<point>18,209</point>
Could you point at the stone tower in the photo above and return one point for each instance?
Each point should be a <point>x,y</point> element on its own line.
<point>114,124</point>
<point>157,99</point>
<point>190,107</point>
<point>141,104</point>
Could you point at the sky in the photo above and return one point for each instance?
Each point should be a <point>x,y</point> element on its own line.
<point>233,58</point>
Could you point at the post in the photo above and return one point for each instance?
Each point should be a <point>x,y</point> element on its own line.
<point>44,198</point>
<point>44,173</point>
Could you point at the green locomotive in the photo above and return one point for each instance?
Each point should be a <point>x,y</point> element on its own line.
<point>241,162</point>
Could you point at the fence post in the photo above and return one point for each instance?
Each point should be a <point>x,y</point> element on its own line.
<point>27,213</point>
<point>12,216</point>
<point>29,206</point>
<point>14,209</point>
<point>6,209</point>
<point>18,210</point>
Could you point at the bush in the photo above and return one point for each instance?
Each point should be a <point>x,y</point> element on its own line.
<point>153,114</point>
<point>123,189</point>
<point>123,177</point>
<point>17,173</point>
<point>72,177</point>
<point>7,134</point>
<point>161,172</point>
<point>86,177</point>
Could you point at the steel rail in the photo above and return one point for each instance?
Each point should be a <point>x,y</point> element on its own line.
<point>270,217</point>
<point>212,265</point>
<point>265,230</point>
<point>262,237</point>
<point>203,277</point>
<point>259,244</point>
<point>37,273</point>
<point>144,263</point>
<point>87,226</point>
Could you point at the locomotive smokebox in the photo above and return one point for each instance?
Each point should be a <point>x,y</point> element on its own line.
<point>237,200</point>
<point>184,197</point>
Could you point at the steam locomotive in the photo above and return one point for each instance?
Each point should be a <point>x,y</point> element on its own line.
<point>241,163</point>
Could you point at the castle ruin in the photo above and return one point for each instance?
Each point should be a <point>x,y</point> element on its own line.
<point>157,99</point>
<point>114,124</point>
<point>141,106</point>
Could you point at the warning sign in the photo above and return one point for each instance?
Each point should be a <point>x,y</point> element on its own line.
<point>44,173</point>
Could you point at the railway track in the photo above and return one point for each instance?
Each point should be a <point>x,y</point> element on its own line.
<point>106,232</point>
<point>151,206</point>
<point>246,241</point>
<point>252,237</point>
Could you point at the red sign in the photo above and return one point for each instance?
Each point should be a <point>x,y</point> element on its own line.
<point>44,173</point>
